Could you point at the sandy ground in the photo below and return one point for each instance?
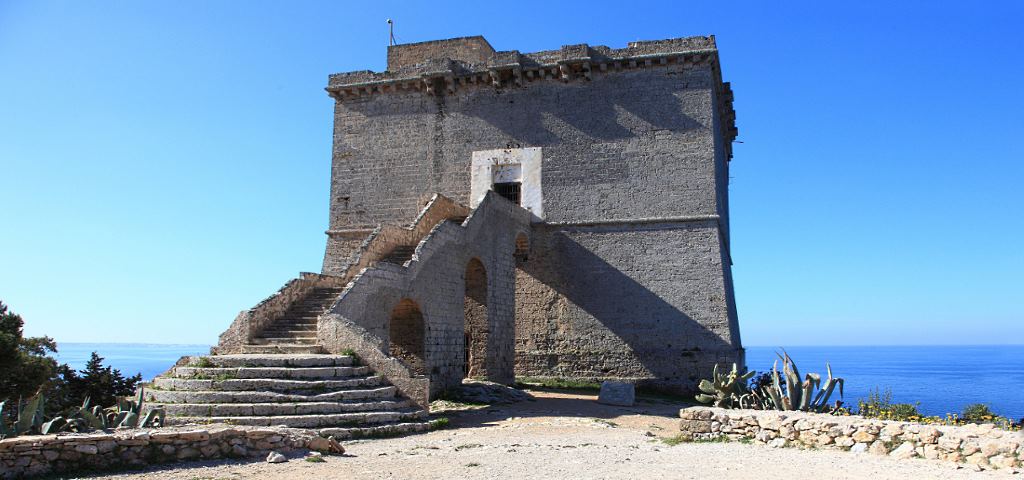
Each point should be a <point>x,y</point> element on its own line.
<point>564,435</point>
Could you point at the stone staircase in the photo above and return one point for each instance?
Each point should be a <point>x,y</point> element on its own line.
<point>297,326</point>
<point>329,393</point>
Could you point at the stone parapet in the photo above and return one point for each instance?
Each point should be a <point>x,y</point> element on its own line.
<point>250,322</point>
<point>981,445</point>
<point>79,453</point>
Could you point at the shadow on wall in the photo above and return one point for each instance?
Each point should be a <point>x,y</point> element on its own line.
<point>597,109</point>
<point>667,342</point>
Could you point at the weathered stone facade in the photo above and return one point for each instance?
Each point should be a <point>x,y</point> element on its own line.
<point>627,271</point>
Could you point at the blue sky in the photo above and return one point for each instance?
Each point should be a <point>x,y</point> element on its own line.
<point>164,165</point>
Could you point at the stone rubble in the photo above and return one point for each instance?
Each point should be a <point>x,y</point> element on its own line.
<point>53,454</point>
<point>978,446</point>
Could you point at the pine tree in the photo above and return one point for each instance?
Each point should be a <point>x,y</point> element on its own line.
<point>101,384</point>
<point>24,362</point>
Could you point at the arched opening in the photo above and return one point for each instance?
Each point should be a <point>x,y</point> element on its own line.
<point>475,327</point>
<point>406,335</point>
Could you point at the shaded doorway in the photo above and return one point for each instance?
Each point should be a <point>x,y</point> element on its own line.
<point>406,335</point>
<point>475,326</point>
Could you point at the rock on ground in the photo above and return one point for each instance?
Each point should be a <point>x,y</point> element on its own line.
<point>617,393</point>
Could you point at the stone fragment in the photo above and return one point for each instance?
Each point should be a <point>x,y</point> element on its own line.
<point>778,443</point>
<point>617,393</point>
<point>276,457</point>
<point>904,451</point>
<point>859,448</point>
<point>864,436</point>
<point>845,441</point>
<point>695,426</point>
<point>87,449</point>
<point>878,448</point>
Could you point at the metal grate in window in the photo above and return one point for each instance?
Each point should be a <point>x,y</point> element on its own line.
<point>509,190</point>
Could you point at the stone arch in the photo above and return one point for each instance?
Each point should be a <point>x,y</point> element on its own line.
<point>476,328</point>
<point>407,335</point>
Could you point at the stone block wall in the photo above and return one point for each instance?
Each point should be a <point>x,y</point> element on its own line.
<point>640,302</point>
<point>79,453</point>
<point>981,445</point>
<point>635,145</point>
<point>435,282</point>
<point>466,49</point>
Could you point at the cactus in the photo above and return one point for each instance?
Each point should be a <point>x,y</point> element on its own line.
<point>728,390</point>
<point>799,395</point>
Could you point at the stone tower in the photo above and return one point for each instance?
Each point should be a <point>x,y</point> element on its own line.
<point>619,156</point>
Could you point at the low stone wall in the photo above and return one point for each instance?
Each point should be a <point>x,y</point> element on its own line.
<point>78,453</point>
<point>981,445</point>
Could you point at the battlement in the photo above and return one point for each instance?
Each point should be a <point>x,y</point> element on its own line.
<point>456,62</point>
<point>463,49</point>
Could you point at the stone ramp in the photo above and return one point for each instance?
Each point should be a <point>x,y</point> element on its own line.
<point>330,393</point>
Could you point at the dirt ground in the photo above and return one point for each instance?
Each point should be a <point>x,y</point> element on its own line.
<point>567,435</point>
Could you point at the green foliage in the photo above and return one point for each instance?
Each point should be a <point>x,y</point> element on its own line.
<point>778,392</point>
<point>978,412</point>
<point>792,394</point>
<point>204,362</point>
<point>879,404</point>
<point>103,384</point>
<point>23,361</point>
<point>126,414</point>
<point>725,390</point>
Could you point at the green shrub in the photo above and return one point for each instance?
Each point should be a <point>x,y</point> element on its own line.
<point>978,413</point>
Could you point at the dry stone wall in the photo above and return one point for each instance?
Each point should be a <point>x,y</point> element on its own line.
<point>982,445</point>
<point>78,453</point>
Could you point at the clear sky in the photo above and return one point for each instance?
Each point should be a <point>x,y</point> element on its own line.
<point>164,165</point>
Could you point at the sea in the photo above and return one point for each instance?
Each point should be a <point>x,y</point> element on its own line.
<point>940,379</point>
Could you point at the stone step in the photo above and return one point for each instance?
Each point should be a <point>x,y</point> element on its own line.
<point>380,430</point>
<point>283,341</point>
<point>282,348</point>
<point>400,254</point>
<point>366,392</point>
<point>290,333</point>
<point>205,373</point>
<point>307,421</point>
<point>279,360</point>
<point>265,384</point>
<point>278,409</point>
<point>305,336</point>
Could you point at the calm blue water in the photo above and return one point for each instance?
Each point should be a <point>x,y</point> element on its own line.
<point>130,358</point>
<point>943,378</point>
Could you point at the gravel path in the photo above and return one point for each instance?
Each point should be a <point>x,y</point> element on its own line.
<point>568,436</point>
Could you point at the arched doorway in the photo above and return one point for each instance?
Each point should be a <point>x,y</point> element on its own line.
<point>406,335</point>
<point>475,327</point>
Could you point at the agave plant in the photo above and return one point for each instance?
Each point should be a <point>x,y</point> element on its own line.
<point>126,414</point>
<point>797,395</point>
<point>29,419</point>
<point>725,390</point>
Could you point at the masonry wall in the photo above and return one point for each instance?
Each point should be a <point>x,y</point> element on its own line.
<point>635,146</point>
<point>636,302</point>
